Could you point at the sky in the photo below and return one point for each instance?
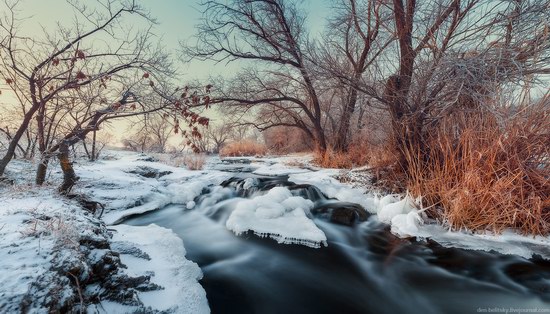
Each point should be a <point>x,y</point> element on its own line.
<point>177,20</point>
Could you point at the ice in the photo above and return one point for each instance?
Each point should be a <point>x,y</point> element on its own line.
<point>277,215</point>
<point>331,187</point>
<point>388,210</point>
<point>249,182</point>
<point>297,202</point>
<point>278,170</point>
<point>124,191</point>
<point>406,224</point>
<point>388,199</point>
<point>270,211</point>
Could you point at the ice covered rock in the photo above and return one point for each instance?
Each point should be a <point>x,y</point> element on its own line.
<point>279,215</point>
<point>406,224</point>
<point>390,210</point>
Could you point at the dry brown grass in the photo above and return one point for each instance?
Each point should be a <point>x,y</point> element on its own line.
<point>243,148</point>
<point>194,161</point>
<point>486,174</point>
<point>358,154</point>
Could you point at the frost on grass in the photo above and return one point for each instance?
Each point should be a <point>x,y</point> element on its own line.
<point>278,215</point>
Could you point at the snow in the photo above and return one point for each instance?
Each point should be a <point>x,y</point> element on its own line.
<point>117,184</point>
<point>389,209</point>
<point>278,170</point>
<point>35,228</point>
<point>278,215</point>
<point>331,187</point>
<point>182,293</point>
<point>407,219</point>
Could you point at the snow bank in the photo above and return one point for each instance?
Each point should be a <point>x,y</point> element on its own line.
<point>278,215</point>
<point>169,268</point>
<point>407,220</point>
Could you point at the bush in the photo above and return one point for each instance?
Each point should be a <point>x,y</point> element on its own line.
<point>358,154</point>
<point>243,148</point>
<point>480,172</point>
<point>194,161</point>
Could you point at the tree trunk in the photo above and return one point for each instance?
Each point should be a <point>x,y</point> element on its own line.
<point>342,138</point>
<point>44,160</point>
<point>86,150</point>
<point>42,170</point>
<point>69,176</point>
<point>94,145</point>
<point>15,139</point>
<point>405,126</point>
<point>320,140</point>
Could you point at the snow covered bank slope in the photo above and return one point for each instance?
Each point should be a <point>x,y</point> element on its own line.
<point>163,257</point>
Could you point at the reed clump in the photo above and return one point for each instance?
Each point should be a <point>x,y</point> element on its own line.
<point>484,171</point>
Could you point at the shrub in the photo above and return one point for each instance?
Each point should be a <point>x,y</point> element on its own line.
<point>194,161</point>
<point>358,154</point>
<point>480,172</point>
<point>243,148</point>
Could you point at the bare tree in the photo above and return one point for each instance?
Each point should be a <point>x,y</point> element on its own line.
<point>152,132</point>
<point>438,56</point>
<point>271,34</point>
<point>352,44</point>
<point>44,69</point>
<point>97,144</point>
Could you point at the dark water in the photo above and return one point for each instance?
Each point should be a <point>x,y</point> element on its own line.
<point>364,269</point>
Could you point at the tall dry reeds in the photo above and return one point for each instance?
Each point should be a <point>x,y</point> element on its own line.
<point>359,154</point>
<point>481,172</point>
<point>243,148</point>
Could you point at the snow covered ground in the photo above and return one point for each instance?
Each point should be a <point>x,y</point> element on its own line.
<point>32,226</point>
<point>129,183</point>
<point>46,235</point>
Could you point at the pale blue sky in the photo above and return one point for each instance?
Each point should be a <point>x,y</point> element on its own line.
<point>176,18</point>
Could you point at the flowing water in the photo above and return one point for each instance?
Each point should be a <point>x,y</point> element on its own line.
<point>364,269</point>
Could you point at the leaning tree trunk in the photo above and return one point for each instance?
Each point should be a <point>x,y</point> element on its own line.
<point>94,138</point>
<point>16,138</point>
<point>69,176</point>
